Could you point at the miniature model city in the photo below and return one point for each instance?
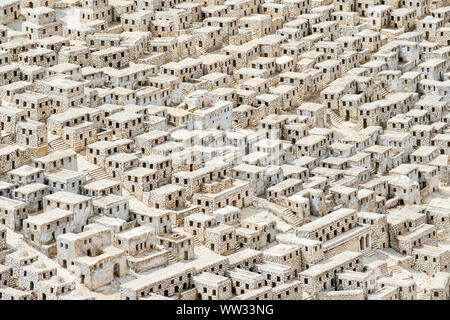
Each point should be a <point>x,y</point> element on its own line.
<point>224,149</point>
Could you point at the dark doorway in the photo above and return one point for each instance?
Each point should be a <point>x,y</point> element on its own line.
<point>116,270</point>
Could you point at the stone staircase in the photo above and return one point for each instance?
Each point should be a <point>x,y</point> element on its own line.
<point>57,144</point>
<point>233,72</point>
<point>14,283</point>
<point>359,126</point>
<point>172,259</point>
<point>184,92</point>
<point>237,248</point>
<point>201,51</point>
<point>423,296</point>
<point>395,269</point>
<point>196,242</point>
<point>232,82</point>
<point>335,117</point>
<point>383,91</point>
<point>282,212</point>
<point>369,253</point>
<point>98,174</point>
<point>299,101</point>
<point>34,295</point>
<point>236,126</point>
<point>291,217</point>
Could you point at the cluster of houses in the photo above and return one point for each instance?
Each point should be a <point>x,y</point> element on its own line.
<point>224,149</point>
